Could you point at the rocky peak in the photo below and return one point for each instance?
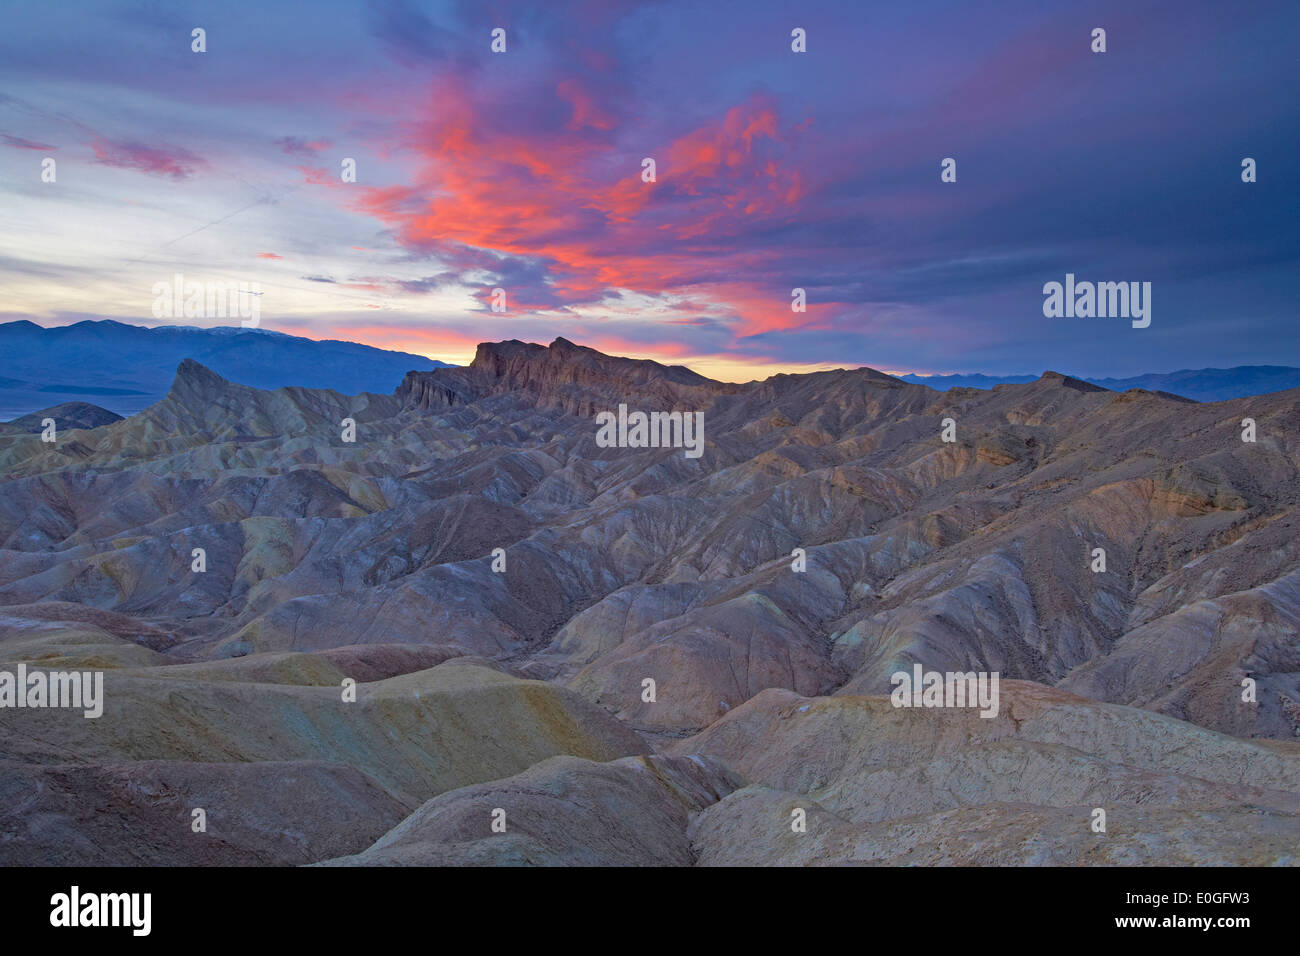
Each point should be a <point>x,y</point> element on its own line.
<point>563,374</point>
<point>1067,381</point>
<point>190,374</point>
<point>196,389</point>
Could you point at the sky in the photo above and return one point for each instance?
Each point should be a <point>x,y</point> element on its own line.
<point>522,170</point>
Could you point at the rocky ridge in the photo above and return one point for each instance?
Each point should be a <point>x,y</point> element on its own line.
<point>373,560</point>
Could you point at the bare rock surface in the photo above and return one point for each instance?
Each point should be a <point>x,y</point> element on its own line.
<point>416,734</point>
<point>142,813</point>
<point>887,785</point>
<point>502,588</point>
<point>561,812</point>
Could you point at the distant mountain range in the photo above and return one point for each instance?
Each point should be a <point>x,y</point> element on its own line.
<point>1201,385</point>
<point>125,368</point>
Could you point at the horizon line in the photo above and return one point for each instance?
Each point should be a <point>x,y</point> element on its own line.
<point>692,363</point>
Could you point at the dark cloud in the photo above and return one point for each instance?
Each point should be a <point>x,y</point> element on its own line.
<point>17,142</point>
<point>816,170</point>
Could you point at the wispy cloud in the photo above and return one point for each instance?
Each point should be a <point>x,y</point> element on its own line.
<point>174,161</point>
<point>17,142</point>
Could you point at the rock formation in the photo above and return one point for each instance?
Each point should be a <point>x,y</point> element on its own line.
<point>500,586</point>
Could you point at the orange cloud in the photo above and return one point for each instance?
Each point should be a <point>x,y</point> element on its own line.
<point>552,197</point>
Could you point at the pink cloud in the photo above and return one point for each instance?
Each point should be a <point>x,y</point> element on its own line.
<point>294,146</point>
<point>572,199</point>
<point>174,162</point>
<point>17,142</point>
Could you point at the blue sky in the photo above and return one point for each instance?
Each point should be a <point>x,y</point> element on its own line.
<point>774,170</point>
